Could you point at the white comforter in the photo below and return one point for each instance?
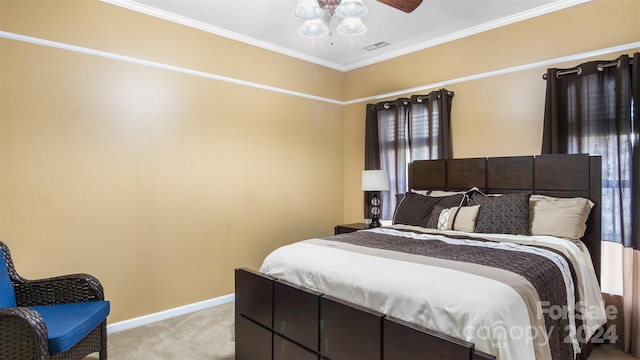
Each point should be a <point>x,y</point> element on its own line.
<point>486,312</point>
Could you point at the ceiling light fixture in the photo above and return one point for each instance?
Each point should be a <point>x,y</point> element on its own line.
<point>314,28</point>
<point>352,26</point>
<point>311,11</point>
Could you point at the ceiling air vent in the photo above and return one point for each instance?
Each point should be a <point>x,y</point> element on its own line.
<point>377,45</point>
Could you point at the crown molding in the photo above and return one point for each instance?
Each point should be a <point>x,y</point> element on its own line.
<point>182,20</point>
<point>525,15</point>
<point>165,15</point>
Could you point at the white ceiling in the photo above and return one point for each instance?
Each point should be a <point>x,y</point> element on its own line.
<point>271,24</point>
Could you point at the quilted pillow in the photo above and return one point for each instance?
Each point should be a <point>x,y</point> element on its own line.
<point>505,214</point>
<point>415,209</point>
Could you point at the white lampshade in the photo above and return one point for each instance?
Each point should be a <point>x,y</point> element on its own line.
<point>314,28</point>
<point>352,26</point>
<point>351,8</point>
<point>308,10</point>
<point>375,180</point>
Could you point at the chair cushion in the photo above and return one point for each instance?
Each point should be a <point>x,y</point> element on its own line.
<point>7,293</point>
<point>69,323</point>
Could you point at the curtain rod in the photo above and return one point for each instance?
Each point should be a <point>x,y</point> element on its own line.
<point>578,70</point>
<point>388,104</point>
<point>419,99</point>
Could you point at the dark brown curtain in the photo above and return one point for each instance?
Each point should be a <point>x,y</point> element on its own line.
<point>372,147</point>
<point>590,109</point>
<point>402,130</point>
<point>594,108</point>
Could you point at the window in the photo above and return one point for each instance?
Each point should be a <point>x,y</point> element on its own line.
<point>406,129</point>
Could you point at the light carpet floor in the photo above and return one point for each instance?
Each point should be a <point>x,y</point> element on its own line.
<point>208,335</point>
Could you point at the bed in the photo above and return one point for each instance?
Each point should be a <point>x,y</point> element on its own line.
<point>410,291</point>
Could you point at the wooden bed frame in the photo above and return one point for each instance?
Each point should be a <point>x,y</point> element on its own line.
<point>279,320</point>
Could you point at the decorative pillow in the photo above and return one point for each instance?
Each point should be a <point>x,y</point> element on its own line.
<point>454,218</point>
<point>7,293</point>
<point>506,214</point>
<point>561,217</point>
<point>443,219</point>
<point>440,193</point>
<point>415,209</point>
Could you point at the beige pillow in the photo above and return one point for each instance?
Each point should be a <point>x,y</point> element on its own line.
<point>464,217</point>
<point>561,217</point>
<point>440,193</point>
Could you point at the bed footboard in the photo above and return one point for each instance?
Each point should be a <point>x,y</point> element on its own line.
<point>280,320</point>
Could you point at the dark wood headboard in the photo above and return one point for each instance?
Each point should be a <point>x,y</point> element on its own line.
<point>563,175</point>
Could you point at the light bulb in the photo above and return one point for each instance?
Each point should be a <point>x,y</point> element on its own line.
<point>308,10</point>
<point>351,8</point>
<point>314,28</point>
<point>352,26</point>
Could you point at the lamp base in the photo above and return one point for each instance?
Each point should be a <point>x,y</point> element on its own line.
<point>375,211</point>
<point>375,222</point>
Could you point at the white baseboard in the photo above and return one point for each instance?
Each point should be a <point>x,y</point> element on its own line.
<point>166,314</point>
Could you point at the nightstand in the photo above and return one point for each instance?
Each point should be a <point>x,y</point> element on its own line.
<point>347,228</point>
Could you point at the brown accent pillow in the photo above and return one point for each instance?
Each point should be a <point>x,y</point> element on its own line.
<point>415,209</point>
<point>505,214</point>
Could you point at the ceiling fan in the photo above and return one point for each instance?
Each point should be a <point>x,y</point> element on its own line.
<point>404,5</point>
<point>311,11</point>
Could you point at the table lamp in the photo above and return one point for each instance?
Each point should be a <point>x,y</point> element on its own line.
<point>376,181</point>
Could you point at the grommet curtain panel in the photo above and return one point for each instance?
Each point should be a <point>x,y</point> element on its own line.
<point>400,131</point>
<point>594,108</point>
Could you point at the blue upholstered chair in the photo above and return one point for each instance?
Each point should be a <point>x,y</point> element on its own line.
<point>61,317</point>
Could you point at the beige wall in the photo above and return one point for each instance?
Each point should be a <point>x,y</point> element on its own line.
<point>497,115</point>
<point>160,182</point>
